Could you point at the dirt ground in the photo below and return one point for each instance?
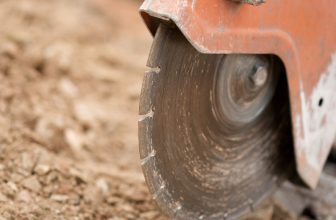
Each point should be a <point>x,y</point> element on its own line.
<point>71,74</point>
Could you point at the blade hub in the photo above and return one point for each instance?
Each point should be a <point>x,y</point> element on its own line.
<point>244,86</point>
<point>259,77</point>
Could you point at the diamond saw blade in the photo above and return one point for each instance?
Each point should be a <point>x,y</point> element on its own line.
<point>214,133</point>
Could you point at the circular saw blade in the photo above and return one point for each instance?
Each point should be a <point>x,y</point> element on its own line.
<point>196,165</point>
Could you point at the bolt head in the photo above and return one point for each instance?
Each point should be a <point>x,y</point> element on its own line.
<point>259,77</point>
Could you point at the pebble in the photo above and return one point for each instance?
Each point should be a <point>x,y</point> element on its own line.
<point>12,186</point>
<point>16,177</point>
<point>28,162</point>
<point>9,49</point>
<point>84,113</point>
<point>89,112</point>
<point>93,195</point>
<point>59,55</point>
<point>32,184</point>
<point>48,189</point>
<point>23,196</point>
<point>3,198</point>
<point>42,169</point>
<point>74,140</point>
<point>68,88</point>
<point>127,208</point>
<point>59,198</point>
<point>102,185</point>
<point>74,199</point>
<point>80,174</point>
<point>149,215</point>
<point>134,194</point>
<point>52,176</point>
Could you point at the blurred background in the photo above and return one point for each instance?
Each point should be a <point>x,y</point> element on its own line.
<point>71,74</point>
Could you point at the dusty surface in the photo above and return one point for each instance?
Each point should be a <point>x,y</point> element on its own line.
<point>70,81</point>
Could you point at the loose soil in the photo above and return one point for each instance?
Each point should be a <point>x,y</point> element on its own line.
<point>71,73</point>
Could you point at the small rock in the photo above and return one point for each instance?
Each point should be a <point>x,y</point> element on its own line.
<point>81,175</point>
<point>130,215</point>
<point>43,128</point>
<point>149,215</point>
<point>3,198</point>
<point>23,196</point>
<point>28,162</point>
<point>9,190</point>
<point>68,88</point>
<point>84,113</point>
<point>127,208</point>
<point>74,199</point>
<point>59,55</point>
<point>59,198</point>
<point>42,169</point>
<point>103,186</point>
<point>48,189</point>
<point>9,49</point>
<point>89,112</point>
<point>64,188</point>
<point>134,194</point>
<point>20,37</point>
<point>16,177</point>
<point>12,186</point>
<point>103,72</point>
<point>49,131</point>
<point>32,184</point>
<point>74,140</point>
<point>33,57</point>
<point>93,195</point>
<point>52,176</point>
